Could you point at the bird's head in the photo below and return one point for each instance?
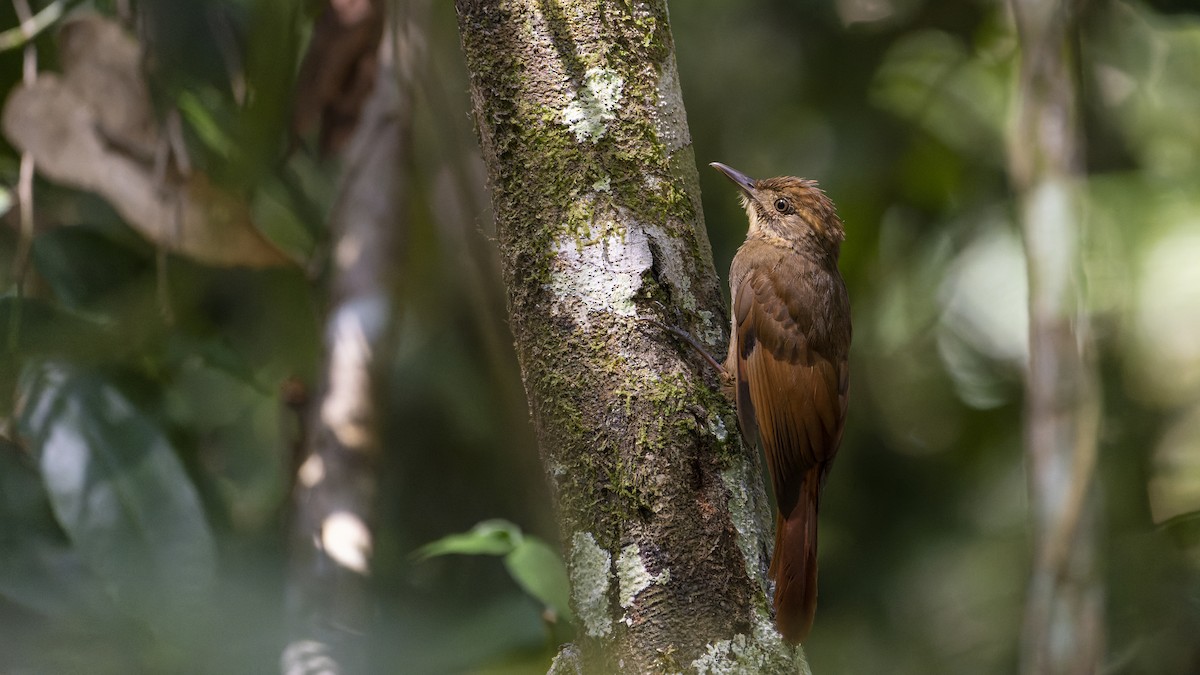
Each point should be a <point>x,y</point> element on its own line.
<point>788,207</point>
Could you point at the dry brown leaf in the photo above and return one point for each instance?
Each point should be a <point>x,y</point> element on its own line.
<point>103,65</point>
<point>95,128</point>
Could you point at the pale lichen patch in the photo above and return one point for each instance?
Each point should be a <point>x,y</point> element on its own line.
<point>744,512</point>
<point>568,661</point>
<point>312,471</point>
<point>351,332</point>
<point>717,427</point>
<point>763,651</point>
<point>679,279</point>
<point>632,575</point>
<point>307,656</point>
<point>711,333</point>
<point>602,272</point>
<point>594,104</point>
<point>669,119</point>
<point>590,566</point>
<point>347,540</point>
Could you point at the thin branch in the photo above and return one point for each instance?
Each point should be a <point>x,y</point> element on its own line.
<point>333,529</point>
<point>24,183</point>
<point>1063,625</point>
<point>31,24</point>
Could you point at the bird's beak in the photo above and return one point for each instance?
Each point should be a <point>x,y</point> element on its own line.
<point>743,181</point>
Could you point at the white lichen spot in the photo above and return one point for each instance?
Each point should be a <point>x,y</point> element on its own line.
<point>312,471</point>
<point>603,185</point>
<point>602,273</point>
<point>1054,206</point>
<point>304,657</point>
<point>633,578</point>
<point>710,331</point>
<point>744,511</point>
<point>346,539</point>
<point>679,279</point>
<point>763,651</point>
<point>670,121</point>
<point>594,104</point>
<point>568,661</point>
<point>716,425</point>
<point>349,249</point>
<point>632,575</point>
<point>590,566</point>
<point>345,409</point>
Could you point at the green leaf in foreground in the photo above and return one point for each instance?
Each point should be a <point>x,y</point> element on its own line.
<point>119,491</point>
<point>490,537</point>
<point>533,564</point>
<point>540,572</point>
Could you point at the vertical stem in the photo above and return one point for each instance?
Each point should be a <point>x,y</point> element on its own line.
<point>329,599</point>
<point>24,184</point>
<point>29,67</point>
<point>1063,625</point>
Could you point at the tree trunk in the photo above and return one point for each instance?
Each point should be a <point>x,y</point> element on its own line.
<point>328,594</point>
<point>1063,630</point>
<point>662,510</point>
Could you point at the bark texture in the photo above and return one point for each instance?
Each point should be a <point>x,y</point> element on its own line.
<point>663,515</point>
<point>1063,630</point>
<point>328,599</point>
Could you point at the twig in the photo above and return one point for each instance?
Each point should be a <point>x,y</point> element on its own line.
<point>31,24</point>
<point>24,187</point>
<point>1063,628</point>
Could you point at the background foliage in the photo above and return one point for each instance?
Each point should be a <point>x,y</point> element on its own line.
<point>149,444</point>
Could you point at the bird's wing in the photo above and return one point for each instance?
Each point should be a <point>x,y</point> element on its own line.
<point>792,376</point>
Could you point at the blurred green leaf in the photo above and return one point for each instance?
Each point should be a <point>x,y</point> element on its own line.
<point>540,572</point>
<point>23,501</point>
<point>37,327</point>
<point>1185,522</point>
<point>490,537</point>
<point>214,352</point>
<point>236,426</point>
<point>199,114</point>
<point>119,491</point>
<point>533,564</point>
<point>82,264</point>
<point>1146,74</point>
<point>38,569</point>
<point>959,97</point>
<point>270,70</point>
<point>282,220</point>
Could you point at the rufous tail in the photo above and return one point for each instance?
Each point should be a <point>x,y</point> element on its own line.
<point>794,565</point>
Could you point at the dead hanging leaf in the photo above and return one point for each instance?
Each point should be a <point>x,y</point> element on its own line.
<point>103,65</point>
<point>95,128</point>
<point>338,71</point>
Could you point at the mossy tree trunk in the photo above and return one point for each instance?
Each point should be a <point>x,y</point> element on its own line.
<point>1063,631</point>
<point>662,511</point>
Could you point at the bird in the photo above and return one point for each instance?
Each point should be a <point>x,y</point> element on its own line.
<point>788,364</point>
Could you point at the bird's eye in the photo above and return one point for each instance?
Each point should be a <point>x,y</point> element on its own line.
<point>782,205</point>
